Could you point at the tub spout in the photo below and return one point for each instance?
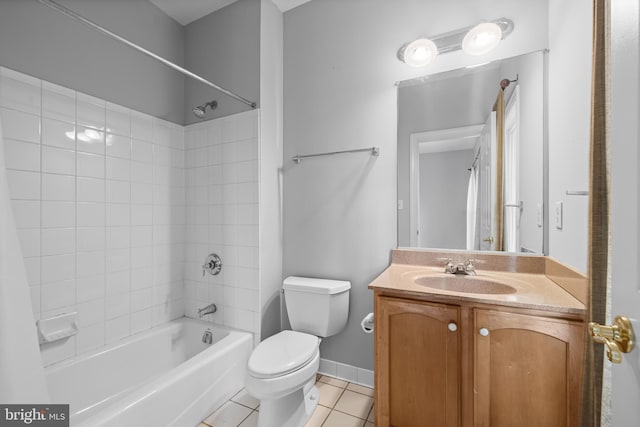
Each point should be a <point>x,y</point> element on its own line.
<point>207,337</point>
<point>211,308</point>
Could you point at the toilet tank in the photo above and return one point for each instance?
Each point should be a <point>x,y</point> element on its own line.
<point>317,306</point>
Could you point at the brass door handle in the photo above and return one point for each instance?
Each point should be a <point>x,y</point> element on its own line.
<point>618,338</point>
<point>488,239</point>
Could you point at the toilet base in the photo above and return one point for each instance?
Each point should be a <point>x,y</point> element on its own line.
<point>292,410</point>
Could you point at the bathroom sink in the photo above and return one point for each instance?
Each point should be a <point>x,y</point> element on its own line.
<point>464,284</point>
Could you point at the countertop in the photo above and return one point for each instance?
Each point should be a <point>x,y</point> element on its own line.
<point>533,291</point>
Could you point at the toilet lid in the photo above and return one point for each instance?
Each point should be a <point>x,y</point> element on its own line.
<point>282,353</point>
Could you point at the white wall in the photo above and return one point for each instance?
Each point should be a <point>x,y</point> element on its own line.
<point>271,244</point>
<point>101,220</point>
<point>340,67</point>
<point>570,27</point>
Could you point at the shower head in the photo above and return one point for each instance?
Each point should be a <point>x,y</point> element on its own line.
<point>201,110</point>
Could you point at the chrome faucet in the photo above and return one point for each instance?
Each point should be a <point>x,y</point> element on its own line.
<point>207,337</point>
<point>211,308</point>
<point>466,268</point>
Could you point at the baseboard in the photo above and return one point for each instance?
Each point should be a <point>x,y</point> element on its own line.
<point>345,372</point>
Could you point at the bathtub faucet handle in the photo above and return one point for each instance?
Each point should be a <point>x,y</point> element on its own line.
<point>212,264</point>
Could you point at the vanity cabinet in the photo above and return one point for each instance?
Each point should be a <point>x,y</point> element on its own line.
<point>467,364</point>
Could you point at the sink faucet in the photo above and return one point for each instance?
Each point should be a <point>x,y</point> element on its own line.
<point>466,268</point>
<point>211,308</point>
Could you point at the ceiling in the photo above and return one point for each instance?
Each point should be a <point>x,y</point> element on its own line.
<point>187,11</point>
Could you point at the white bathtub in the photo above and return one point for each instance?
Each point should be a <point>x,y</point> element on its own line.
<point>165,376</point>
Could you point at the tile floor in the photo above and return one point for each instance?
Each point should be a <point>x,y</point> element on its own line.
<point>341,404</point>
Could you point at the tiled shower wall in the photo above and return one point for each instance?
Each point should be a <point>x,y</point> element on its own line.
<point>222,215</point>
<point>98,193</point>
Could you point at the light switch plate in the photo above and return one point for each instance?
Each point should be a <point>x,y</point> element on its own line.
<point>558,215</point>
<point>539,215</point>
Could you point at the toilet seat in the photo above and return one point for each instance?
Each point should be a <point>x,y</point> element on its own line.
<point>282,353</point>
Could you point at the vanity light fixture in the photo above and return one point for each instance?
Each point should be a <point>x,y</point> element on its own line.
<point>475,40</point>
<point>418,53</point>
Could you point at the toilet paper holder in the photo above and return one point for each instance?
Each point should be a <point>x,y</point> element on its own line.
<point>367,323</point>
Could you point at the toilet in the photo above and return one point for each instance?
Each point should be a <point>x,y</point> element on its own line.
<point>282,369</point>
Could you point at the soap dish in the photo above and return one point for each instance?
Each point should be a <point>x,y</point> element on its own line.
<point>57,327</point>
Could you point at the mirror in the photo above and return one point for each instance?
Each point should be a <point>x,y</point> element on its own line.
<point>471,157</point>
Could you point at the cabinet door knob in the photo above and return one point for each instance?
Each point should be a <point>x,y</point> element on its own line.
<point>484,332</point>
<point>452,326</point>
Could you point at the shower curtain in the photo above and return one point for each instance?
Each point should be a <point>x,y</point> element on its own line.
<point>21,371</point>
<point>472,201</point>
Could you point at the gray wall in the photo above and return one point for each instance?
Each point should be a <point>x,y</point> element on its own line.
<point>444,181</point>
<point>41,42</point>
<point>224,48</point>
<point>339,71</point>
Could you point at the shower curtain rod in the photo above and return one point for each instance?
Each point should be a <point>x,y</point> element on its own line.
<point>70,13</point>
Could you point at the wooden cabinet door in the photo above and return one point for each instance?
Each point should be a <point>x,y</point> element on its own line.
<point>417,350</point>
<point>527,370</point>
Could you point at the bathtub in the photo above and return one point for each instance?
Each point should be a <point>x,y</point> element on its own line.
<point>165,376</point>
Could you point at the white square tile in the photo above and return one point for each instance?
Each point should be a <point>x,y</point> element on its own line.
<point>118,215</point>
<point>117,305</point>
<point>57,160</point>
<point>161,155</point>
<point>22,155</point>
<point>118,237</point>
<point>58,268</point>
<point>118,169</point>
<point>58,187</point>
<point>117,282</point>
<point>141,126</point>
<point>248,192</point>
<point>20,126</point>
<point>247,150</point>
<point>229,153</point>
<point>118,146</point>
<point>58,351</point>
<point>32,265</point>
<point>90,338</point>
<point>141,193</point>
<point>90,264</point>
<point>141,151</point>
<point>141,320</point>
<point>58,241</point>
<point>89,140</point>
<point>119,260</point>
<point>118,120</point>
<point>141,299</point>
<point>141,173</point>
<point>90,313</point>
<point>29,241</point>
<point>58,134</point>
<point>141,257</point>
<point>90,112</point>
<point>90,214</point>
<point>91,165</point>
<point>26,213</point>
<point>118,191</point>
<point>141,236</point>
<point>117,328</point>
<point>90,288</point>
<point>23,185</point>
<point>58,103</point>
<point>90,239</point>
<point>161,132</point>
<point>228,129</point>
<point>90,189</point>
<point>141,215</point>
<point>20,94</point>
<point>248,171</point>
<point>229,173</point>
<point>141,278</point>
<point>58,214</point>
